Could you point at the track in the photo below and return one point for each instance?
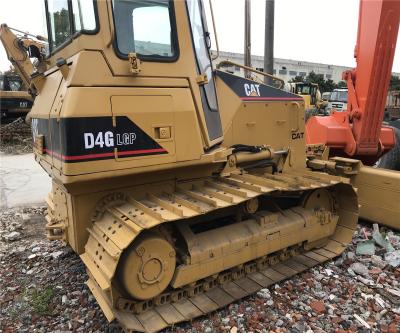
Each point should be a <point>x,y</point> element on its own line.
<point>277,246</point>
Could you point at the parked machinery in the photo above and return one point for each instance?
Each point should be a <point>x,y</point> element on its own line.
<point>15,92</point>
<point>181,187</point>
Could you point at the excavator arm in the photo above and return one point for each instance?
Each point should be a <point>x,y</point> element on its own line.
<point>358,132</point>
<point>20,48</point>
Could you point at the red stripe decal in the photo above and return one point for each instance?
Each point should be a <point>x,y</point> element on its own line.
<point>271,98</point>
<point>144,151</point>
<point>92,156</point>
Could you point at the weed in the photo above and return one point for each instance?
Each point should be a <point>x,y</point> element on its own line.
<point>40,300</point>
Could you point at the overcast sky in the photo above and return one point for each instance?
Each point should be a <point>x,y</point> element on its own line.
<point>309,30</point>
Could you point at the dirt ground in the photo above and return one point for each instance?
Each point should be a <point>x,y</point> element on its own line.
<point>42,283</point>
<point>42,289</point>
<point>15,137</point>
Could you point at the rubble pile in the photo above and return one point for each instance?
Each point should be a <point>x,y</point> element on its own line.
<point>16,137</point>
<point>42,289</point>
<point>357,292</point>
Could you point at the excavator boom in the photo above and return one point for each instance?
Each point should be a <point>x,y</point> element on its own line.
<point>358,132</point>
<point>19,48</point>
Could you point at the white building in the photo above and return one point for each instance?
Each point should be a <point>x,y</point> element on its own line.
<point>287,69</point>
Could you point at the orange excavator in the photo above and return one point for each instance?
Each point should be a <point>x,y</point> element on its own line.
<point>358,131</point>
<point>357,134</point>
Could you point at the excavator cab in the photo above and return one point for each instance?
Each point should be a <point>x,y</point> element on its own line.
<point>179,185</point>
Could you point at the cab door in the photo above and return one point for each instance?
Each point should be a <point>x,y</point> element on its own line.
<point>201,43</point>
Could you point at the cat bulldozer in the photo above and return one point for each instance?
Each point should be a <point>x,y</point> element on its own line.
<point>181,186</point>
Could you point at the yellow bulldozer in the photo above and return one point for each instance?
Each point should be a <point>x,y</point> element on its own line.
<point>182,187</point>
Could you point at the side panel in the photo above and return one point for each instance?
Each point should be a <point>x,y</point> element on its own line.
<point>256,114</point>
<point>106,129</point>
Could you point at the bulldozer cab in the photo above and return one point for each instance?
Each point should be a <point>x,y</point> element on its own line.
<point>306,89</point>
<point>10,82</point>
<point>155,32</point>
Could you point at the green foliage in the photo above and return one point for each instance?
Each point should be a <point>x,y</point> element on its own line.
<point>61,26</point>
<point>297,78</point>
<point>394,83</point>
<point>324,85</point>
<point>40,300</point>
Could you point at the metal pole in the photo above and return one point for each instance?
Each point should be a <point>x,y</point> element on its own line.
<point>269,39</point>
<point>247,36</point>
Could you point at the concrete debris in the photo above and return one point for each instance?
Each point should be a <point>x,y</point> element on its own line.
<point>15,137</point>
<point>359,269</point>
<point>348,294</point>
<point>380,240</point>
<point>394,292</point>
<point>12,236</point>
<point>362,321</point>
<point>366,248</point>
<point>393,258</point>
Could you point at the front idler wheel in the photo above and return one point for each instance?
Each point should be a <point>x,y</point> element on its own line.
<point>147,267</point>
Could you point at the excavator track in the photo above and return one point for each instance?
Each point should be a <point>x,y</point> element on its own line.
<point>215,266</point>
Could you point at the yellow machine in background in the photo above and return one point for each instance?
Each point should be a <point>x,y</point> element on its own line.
<point>15,92</point>
<point>310,93</point>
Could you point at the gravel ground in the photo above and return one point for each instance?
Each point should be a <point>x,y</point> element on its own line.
<point>42,290</point>
<point>15,137</point>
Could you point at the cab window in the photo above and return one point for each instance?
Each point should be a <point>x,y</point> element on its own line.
<point>145,27</point>
<point>66,18</point>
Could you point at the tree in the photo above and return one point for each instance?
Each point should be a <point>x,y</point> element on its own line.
<point>394,83</point>
<point>342,85</point>
<point>324,86</point>
<point>61,26</point>
<point>297,78</point>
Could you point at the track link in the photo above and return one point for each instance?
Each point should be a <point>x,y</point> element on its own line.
<point>120,218</point>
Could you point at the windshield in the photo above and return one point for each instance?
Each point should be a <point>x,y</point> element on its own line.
<point>15,84</point>
<point>65,18</point>
<point>339,96</point>
<point>144,27</point>
<point>303,90</point>
<point>326,96</point>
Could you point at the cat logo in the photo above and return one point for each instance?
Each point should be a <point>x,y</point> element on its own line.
<point>252,89</point>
